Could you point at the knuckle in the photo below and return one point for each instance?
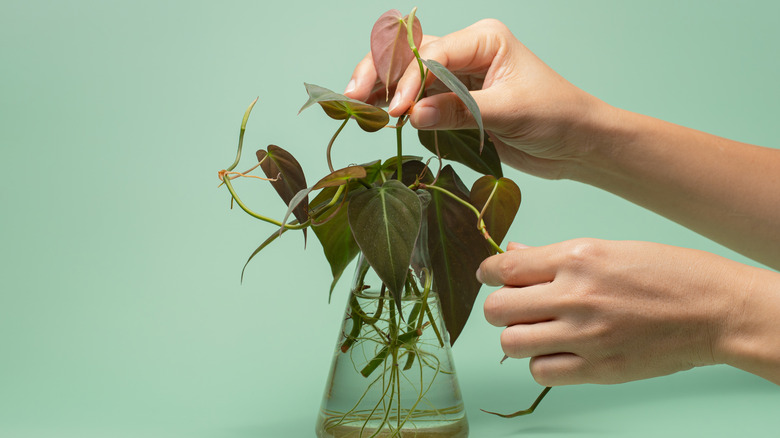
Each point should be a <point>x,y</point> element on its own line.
<point>582,252</point>
<point>559,370</point>
<point>491,23</point>
<point>505,268</point>
<point>457,114</point>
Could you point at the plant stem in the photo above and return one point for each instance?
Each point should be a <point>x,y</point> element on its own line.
<point>330,144</point>
<point>241,135</point>
<point>410,38</point>
<point>480,223</point>
<point>399,148</point>
<point>241,204</point>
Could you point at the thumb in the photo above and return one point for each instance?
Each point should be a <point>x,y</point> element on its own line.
<point>447,111</point>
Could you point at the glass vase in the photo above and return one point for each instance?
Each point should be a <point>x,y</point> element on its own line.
<point>392,373</point>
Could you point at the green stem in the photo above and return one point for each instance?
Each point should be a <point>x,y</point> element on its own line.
<point>410,38</point>
<point>241,135</point>
<point>399,148</point>
<point>241,204</point>
<point>330,144</point>
<point>480,223</point>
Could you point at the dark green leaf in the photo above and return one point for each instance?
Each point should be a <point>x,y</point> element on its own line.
<point>340,107</point>
<point>333,230</point>
<point>456,249</point>
<point>372,170</point>
<point>503,205</point>
<point>415,169</point>
<point>390,166</point>
<point>277,162</point>
<point>462,145</point>
<point>385,222</point>
<point>456,86</point>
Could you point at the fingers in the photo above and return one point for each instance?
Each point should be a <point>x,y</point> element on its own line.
<point>560,369</point>
<point>541,339</point>
<point>520,268</point>
<point>521,305</point>
<point>470,50</point>
<point>365,85</point>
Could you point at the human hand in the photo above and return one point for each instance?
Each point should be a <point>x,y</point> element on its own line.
<point>539,122</point>
<point>593,311</point>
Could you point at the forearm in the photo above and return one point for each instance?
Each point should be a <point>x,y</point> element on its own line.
<point>725,190</point>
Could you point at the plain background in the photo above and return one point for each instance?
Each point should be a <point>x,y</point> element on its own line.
<point>121,310</point>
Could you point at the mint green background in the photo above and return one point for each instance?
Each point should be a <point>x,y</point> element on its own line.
<point>121,312</point>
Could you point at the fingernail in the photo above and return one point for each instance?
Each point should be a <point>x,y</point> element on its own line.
<point>350,86</point>
<point>395,103</point>
<point>425,116</point>
<point>479,274</point>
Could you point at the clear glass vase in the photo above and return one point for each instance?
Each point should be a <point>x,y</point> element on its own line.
<point>392,373</point>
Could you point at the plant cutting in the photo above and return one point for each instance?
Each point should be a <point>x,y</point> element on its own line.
<point>418,234</point>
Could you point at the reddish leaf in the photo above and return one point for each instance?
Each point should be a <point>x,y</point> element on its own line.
<point>277,162</point>
<point>390,46</point>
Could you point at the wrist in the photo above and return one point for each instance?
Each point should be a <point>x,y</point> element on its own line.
<point>750,339</point>
<point>598,134</point>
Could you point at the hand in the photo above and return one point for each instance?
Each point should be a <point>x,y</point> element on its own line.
<point>539,122</point>
<point>592,311</point>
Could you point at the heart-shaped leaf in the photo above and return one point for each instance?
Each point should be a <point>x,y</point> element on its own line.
<point>385,222</point>
<point>277,162</point>
<point>504,196</point>
<point>334,234</point>
<point>456,249</point>
<point>340,107</point>
<point>456,86</point>
<point>412,170</point>
<point>462,145</point>
<point>340,177</point>
<point>372,170</point>
<point>390,46</point>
